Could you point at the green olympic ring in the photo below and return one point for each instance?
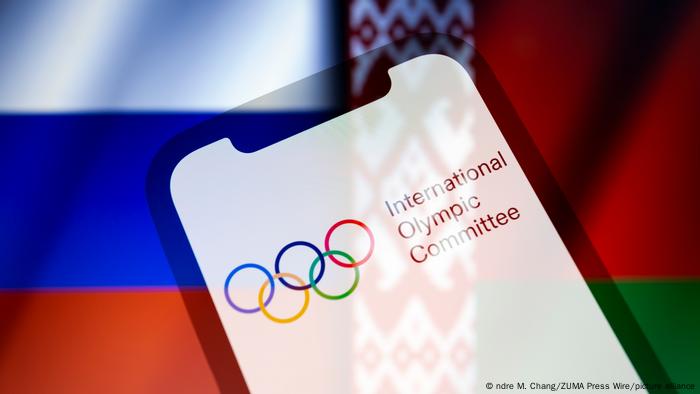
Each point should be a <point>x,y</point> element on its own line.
<point>331,296</point>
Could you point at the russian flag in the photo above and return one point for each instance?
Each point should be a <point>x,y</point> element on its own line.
<point>89,91</point>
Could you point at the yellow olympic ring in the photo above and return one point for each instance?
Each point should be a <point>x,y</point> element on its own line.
<point>277,319</point>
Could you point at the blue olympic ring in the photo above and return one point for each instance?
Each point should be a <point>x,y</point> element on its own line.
<point>228,282</point>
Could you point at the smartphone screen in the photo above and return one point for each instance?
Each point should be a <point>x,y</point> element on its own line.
<point>397,247</point>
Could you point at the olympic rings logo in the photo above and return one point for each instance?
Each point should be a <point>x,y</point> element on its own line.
<point>300,285</point>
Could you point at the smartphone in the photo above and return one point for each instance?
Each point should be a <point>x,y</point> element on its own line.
<point>400,246</point>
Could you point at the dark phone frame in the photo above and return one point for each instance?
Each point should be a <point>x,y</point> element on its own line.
<point>252,131</point>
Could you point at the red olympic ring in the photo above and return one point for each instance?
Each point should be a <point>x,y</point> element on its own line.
<point>364,227</point>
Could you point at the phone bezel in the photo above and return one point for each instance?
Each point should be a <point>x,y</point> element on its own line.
<point>243,127</point>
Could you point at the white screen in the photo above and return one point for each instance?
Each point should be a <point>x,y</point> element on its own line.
<point>506,305</point>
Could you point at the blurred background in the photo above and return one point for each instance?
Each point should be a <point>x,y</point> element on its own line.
<point>90,90</point>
